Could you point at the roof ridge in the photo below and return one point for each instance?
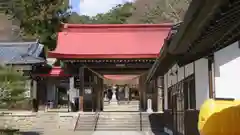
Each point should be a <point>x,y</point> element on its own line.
<point>162,25</point>
<point>20,44</point>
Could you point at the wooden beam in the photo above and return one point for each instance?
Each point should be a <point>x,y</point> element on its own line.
<point>88,61</point>
<point>115,66</point>
<point>120,72</point>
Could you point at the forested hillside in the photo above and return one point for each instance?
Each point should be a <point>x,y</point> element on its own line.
<point>142,11</point>
<point>42,19</point>
<point>117,15</point>
<point>158,11</point>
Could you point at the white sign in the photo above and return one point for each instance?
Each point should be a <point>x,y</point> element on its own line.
<point>88,91</point>
<point>22,67</point>
<point>120,65</point>
<point>71,82</point>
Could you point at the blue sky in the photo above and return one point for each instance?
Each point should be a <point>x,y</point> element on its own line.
<point>93,7</point>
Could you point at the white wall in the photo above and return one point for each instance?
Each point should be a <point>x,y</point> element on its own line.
<point>201,79</point>
<point>227,72</point>
<point>165,92</point>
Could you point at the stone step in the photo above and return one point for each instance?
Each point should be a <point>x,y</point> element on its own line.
<point>119,116</point>
<point>86,122</point>
<point>118,123</point>
<point>118,120</point>
<point>113,121</point>
<point>118,129</point>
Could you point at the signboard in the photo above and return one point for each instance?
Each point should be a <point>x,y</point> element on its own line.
<point>28,88</point>
<point>120,65</point>
<point>71,82</point>
<point>88,91</point>
<point>22,67</point>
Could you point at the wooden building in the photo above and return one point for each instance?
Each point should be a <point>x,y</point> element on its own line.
<point>199,62</point>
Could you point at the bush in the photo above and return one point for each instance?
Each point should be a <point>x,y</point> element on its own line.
<point>21,105</point>
<point>9,131</point>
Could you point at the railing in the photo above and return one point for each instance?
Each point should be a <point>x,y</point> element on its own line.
<point>96,121</point>
<point>76,122</point>
<point>3,5</point>
<point>141,121</point>
<point>191,121</point>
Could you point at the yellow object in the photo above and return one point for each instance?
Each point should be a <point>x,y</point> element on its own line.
<point>219,117</point>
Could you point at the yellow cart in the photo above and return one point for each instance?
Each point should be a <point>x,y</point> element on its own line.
<point>219,117</point>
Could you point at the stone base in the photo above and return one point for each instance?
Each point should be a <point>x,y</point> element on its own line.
<point>149,110</point>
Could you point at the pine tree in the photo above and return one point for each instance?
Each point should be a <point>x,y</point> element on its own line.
<point>117,15</point>
<point>12,86</point>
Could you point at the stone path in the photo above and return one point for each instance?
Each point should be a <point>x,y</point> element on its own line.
<point>123,106</point>
<point>60,132</point>
<point>42,123</point>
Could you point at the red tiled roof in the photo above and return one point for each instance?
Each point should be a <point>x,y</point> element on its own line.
<point>110,41</point>
<point>55,72</point>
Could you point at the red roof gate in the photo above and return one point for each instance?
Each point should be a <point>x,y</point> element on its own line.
<point>102,47</point>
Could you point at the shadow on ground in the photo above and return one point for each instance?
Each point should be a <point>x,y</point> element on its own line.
<point>157,123</point>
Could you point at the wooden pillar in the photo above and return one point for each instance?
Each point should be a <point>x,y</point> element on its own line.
<point>140,87</point>
<point>34,96</point>
<point>97,90</point>
<point>101,93</point>
<point>210,77</point>
<point>145,88</point>
<point>143,92</point>
<point>154,95</point>
<point>81,89</point>
<point>98,94</point>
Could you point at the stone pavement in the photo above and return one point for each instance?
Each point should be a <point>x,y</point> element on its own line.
<point>38,122</point>
<point>60,132</point>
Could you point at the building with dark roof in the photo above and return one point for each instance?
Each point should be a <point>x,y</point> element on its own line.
<point>21,53</point>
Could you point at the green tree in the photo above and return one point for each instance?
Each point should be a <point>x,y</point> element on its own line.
<point>39,19</point>
<point>12,86</point>
<point>82,19</point>
<point>117,15</point>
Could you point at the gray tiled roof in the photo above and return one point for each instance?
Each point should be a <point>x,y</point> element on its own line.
<point>20,53</point>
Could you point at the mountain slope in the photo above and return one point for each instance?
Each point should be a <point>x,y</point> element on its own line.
<point>159,11</point>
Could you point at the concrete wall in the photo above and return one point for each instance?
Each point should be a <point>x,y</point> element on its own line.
<point>160,93</point>
<point>200,67</point>
<point>227,75</point>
